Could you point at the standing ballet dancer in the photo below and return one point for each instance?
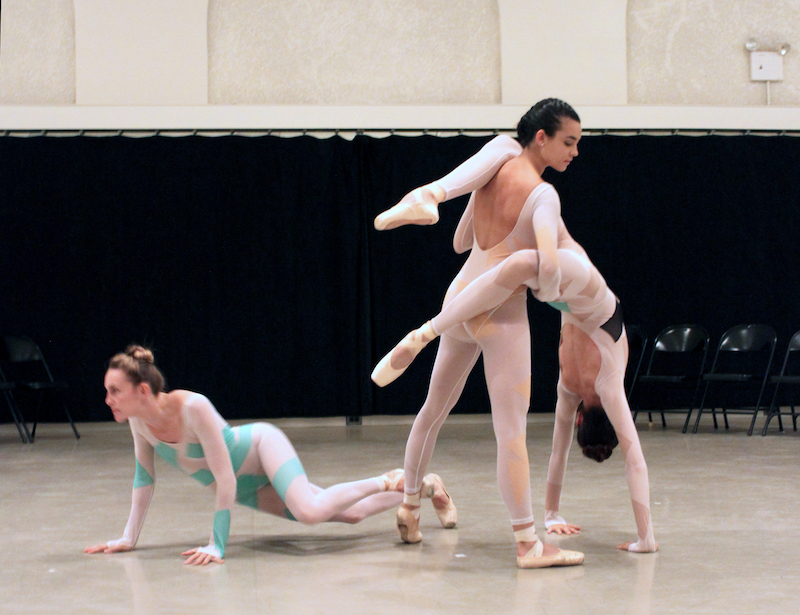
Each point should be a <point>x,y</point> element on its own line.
<point>511,209</point>
<point>593,355</point>
<point>254,465</point>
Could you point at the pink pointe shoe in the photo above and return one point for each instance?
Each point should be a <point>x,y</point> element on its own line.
<point>433,488</point>
<point>394,480</point>
<point>420,206</point>
<point>535,558</point>
<point>408,524</point>
<point>391,367</point>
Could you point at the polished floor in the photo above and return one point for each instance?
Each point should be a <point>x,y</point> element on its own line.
<point>725,506</point>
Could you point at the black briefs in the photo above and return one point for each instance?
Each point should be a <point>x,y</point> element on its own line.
<point>613,326</point>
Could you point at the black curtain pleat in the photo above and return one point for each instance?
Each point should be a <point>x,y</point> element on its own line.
<point>252,268</point>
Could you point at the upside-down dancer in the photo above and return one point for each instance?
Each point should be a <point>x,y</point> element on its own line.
<point>593,355</point>
<point>254,464</point>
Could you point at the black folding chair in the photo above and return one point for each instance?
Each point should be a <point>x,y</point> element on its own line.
<point>25,366</point>
<point>741,365</point>
<point>789,376</point>
<point>674,372</point>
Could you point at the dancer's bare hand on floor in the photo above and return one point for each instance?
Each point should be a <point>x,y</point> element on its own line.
<point>200,557</point>
<point>107,548</point>
<point>625,546</point>
<point>565,529</point>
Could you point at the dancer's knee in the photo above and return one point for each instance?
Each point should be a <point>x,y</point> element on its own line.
<point>518,268</point>
<point>308,513</point>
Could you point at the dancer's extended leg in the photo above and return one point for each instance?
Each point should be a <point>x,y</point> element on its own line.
<point>483,294</point>
<point>305,504</point>
<point>454,361</point>
<point>505,340</point>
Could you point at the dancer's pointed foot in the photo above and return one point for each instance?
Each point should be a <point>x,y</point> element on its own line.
<point>393,480</point>
<point>408,523</point>
<point>420,206</point>
<point>433,488</point>
<point>391,367</point>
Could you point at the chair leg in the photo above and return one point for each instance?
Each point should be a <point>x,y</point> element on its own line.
<point>663,421</point>
<point>71,422</point>
<point>753,422</point>
<point>686,424</point>
<point>22,426</point>
<point>700,409</point>
<point>771,412</point>
<point>758,407</point>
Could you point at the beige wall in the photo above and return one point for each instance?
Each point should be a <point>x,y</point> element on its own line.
<point>571,49</point>
<point>141,52</point>
<point>354,52</point>
<point>692,51</point>
<point>393,56</point>
<point>37,52</point>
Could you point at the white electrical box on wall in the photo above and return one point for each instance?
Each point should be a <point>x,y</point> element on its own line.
<point>766,66</point>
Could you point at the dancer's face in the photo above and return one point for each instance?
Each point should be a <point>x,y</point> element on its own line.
<point>559,150</point>
<point>122,396</point>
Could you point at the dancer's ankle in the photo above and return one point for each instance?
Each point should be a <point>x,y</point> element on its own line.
<point>391,481</point>
<point>412,500</point>
<point>427,332</point>
<point>439,194</point>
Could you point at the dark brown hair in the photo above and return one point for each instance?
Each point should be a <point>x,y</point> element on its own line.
<point>544,115</point>
<point>138,363</point>
<point>596,435</point>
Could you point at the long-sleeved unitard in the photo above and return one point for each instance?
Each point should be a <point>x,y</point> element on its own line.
<point>254,465</point>
<point>502,336</point>
<point>588,304</point>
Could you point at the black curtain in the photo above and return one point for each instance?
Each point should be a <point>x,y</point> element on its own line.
<point>252,268</point>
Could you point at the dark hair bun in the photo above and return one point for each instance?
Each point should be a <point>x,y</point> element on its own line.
<point>140,353</point>
<point>544,115</point>
<point>598,452</point>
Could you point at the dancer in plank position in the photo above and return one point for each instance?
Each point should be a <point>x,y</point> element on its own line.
<point>511,209</point>
<point>254,465</point>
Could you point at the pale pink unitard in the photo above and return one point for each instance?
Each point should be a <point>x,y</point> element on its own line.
<point>502,336</point>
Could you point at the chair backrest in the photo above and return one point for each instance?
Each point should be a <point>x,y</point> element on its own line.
<point>679,350</point>
<point>23,360</point>
<point>681,338</point>
<point>746,349</point>
<point>747,338</point>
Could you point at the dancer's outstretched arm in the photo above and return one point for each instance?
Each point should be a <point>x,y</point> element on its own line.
<point>567,404</point>
<point>143,487</point>
<point>202,419</point>
<point>612,395</point>
<point>420,206</point>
